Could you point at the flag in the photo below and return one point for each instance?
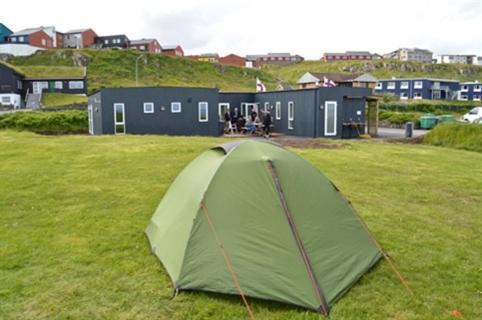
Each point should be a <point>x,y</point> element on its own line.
<point>260,87</point>
<point>327,83</point>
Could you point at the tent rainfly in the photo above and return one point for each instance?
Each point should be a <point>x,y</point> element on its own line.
<point>252,218</point>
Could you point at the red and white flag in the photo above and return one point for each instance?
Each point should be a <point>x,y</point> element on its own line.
<point>327,83</point>
<point>260,87</point>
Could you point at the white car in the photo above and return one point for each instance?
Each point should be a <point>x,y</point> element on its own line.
<point>474,115</point>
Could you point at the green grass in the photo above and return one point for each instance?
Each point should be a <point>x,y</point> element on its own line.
<point>51,71</point>
<point>73,210</point>
<point>48,122</point>
<point>58,99</point>
<point>116,68</point>
<point>456,135</point>
<point>381,69</point>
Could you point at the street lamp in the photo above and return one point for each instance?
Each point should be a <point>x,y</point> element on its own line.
<point>137,73</point>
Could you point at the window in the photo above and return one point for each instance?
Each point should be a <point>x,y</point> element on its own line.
<point>76,84</point>
<point>266,107</point>
<point>106,41</point>
<point>6,100</point>
<point>19,84</point>
<point>464,88</point>
<point>464,97</point>
<point>403,96</point>
<point>477,88</point>
<point>203,115</point>
<point>119,118</point>
<point>379,86</point>
<point>404,85</point>
<point>391,86</point>
<point>148,107</point>
<point>417,95</point>
<point>59,85</point>
<point>175,107</point>
<point>477,97</point>
<point>13,39</point>
<point>142,48</point>
<point>291,114</point>
<point>44,42</point>
<point>222,109</point>
<point>21,39</point>
<point>418,85</point>
<point>278,111</point>
<point>330,118</point>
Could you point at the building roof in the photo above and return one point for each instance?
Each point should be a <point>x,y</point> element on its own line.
<point>348,53</point>
<point>311,77</point>
<point>26,32</point>
<point>113,35</point>
<point>171,47</point>
<point>76,31</point>
<point>4,26</point>
<point>429,79</point>
<point>142,41</point>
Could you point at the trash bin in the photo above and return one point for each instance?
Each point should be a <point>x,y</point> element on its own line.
<point>428,121</point>
<point>446,118</point>
<point>408,129</point>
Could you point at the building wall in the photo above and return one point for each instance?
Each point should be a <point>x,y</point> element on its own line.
<point>178,52</point>
<point>57,85</point>
<point>95,101</point>
<point>40,39</point>
<point>426,92</point>
<point>346,57</point>
<point>73,40</point>
<point>152,46</point>
<point>471,91</point>
<point>11,99</point>
<point>115,41</point>
<point>59,40</point>
<point>162,121</point>
<point>233,60</point>
<point>10,81</point>
<point>4,33</point>
<point>88,38</point>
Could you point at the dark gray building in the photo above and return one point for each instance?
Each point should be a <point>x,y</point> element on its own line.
<point>113,41</point>
<point>319,112</point>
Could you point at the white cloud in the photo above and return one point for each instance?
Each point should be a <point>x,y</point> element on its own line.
<point>305,27</point>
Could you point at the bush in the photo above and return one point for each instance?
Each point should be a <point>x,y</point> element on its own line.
<point>396,117</point>
<point>457,135</point>
<point>47,122</point>
<point>429,106</point>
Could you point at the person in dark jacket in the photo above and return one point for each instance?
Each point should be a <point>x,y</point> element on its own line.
<point>267,123</point>
<point>234,115</point>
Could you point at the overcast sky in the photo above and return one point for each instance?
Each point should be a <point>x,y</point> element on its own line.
<point>306,27</point>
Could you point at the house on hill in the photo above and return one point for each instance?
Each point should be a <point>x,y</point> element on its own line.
<point>4,33</point>
<point>36,37</point>
<point>148,45</point>
<point>349,56</point>
<point>11,86</point>
<point>173,50</point>
<point>419,88</point>
<point>316,79</point>
<point>233,60</point>
<point>415,54</point>
<point>114,41</point>
<point>281,59</point>
<point>79,38</point>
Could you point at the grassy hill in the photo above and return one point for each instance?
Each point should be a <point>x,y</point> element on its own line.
<point>116,68</point>
<point>382,69</point>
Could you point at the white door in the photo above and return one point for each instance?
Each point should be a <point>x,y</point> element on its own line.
<point>91,120</point>
<point>119,119</point>
<point>330,118</point>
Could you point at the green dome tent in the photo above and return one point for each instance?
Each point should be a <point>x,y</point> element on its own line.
<point>258,214</point>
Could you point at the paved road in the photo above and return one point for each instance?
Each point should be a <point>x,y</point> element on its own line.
<point>391,133</point>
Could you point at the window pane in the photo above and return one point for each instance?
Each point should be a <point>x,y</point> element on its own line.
<point>330,118</point>
<point>119,116</point>
<point>119,128</point>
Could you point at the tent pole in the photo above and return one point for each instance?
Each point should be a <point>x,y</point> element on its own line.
<point>227,261</point>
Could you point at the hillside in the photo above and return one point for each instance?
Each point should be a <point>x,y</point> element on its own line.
<point>382,69</point>
<point>116,68</point>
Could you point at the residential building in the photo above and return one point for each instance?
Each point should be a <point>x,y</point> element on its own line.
<point>348,55</point>
<point>208,57</point>
<point>457,59</point>
<point>479,61</point>
<point>318,112</point>
<point>233,60</point>
<point>419,88</point>
<point>113,41</point>
<point>67,84</point>
<point>148,45</point>
<point>415,54</point>
<point>4,33</point>
<point>316,79</point>
<point>173,50</point>
<point>36,37</point>
<point>80,38</point>
<point>11,86</point>
<point>283,59</point>
<point>470,91</point>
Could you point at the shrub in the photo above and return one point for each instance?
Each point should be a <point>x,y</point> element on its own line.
<point>457,135</point>
<point>48,122</point>
<point>428,106</point>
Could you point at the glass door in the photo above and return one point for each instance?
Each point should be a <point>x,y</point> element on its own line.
<point>330,118</point>
<point>91,119</point>
<point>119,118</point>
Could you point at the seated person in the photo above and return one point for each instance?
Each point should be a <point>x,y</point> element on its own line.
<point>241,122</point>
<point>251,124</point>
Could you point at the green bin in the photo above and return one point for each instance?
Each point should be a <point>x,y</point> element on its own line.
<point>428,121</point>
<point>446,118</point>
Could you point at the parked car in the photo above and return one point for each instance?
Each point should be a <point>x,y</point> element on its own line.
<point>474,115</point>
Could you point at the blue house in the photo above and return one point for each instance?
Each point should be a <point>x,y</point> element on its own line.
<point>470,91</point>
<point>4,33</point>
<point>419,88</point>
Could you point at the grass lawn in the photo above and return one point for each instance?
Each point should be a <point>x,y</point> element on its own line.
<point>58,99</point>
<point>73,210</point>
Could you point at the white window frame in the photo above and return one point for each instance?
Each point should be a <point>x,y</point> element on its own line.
<point>21,39</point>
<point>220,108</point>
<point>391,85</point>
<point>174,106</point>
<point>76,84</point>
<point>379,86</point>
<point>291,115</point>
<point>464,97</point>
<point>277,110</point>
<point>403,96</point>
<point>59,85</point>
<point>418,84</point>
<point>6,100</point>
<point>146,105</point>
<point>464,88</point>
<point>404,85</point>
<point>123,123</point>
<point>201,104</point>
<point>417,95</point>
<point>478,88</point>
<point>90,111</point>
<point>335,104</point>
<point>476,97</point>
<point>266,106</point>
